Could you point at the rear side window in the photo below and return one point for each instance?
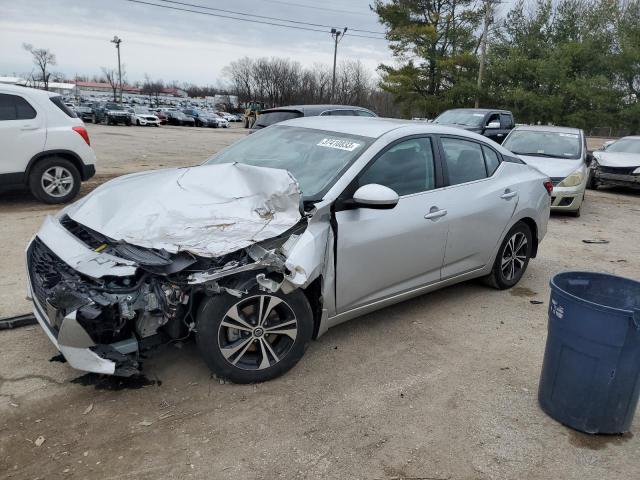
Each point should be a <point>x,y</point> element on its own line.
<point>363,113</point>
<point>464,160</point>
<point>506,120</point>
<point>14,107</point>
<point>492,160</point>
<point>269,118</point>
<point>57,101</point>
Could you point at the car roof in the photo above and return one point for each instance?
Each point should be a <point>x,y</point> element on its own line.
<point>548,128</point>
<point>372,127</point>
<point>19,89</point>
<point>479,110</point>
<point>315,109</point>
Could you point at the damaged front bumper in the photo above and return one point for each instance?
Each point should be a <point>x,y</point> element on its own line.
<point>63,250</point>
<point>618,176</point>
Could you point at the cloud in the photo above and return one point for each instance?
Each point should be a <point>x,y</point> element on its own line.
<point>171,45</point>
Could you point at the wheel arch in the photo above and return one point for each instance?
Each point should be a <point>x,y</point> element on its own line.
<point>533,226</point>
<point>66,154</point>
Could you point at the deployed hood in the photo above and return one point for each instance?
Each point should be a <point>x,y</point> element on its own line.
<point>617,159</point>
<point>553,167</point>
<point>209,210</point>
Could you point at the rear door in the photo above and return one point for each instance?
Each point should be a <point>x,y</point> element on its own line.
<point>22,132</point>
<point>381,253</point>
<point>480,201</point>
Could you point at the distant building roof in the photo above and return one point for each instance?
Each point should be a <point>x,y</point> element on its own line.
<point>106,86</point>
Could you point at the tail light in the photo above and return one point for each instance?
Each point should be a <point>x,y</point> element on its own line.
<point>83,133</point>
<point>549,186</point>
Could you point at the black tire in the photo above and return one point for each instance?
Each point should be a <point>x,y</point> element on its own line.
<point>592,183</point>
<point>62,194</point>
<point>138,122</point>
<point>576,213</point>
<point>246,123</point>
<point>213,334</point>
<point>500,279</point>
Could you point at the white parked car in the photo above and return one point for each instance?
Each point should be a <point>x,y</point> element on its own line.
<point>145,117</point>
<point>43,144</point>
<point>222,121</point>
<point>617,164</point>
<point>279,237</point>
<point>561,153</point>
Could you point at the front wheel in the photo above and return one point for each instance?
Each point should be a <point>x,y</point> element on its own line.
<point>513,257</point>
<point>254,338</point>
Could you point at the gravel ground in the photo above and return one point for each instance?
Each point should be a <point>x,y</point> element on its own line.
<point>440,387</point>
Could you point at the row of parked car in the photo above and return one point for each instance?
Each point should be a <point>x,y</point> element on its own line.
<point>113,113</point>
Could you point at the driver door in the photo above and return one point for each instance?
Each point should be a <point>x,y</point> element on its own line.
<point>381,253</point>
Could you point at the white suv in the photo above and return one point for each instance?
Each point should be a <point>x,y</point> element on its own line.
<point>43,144</point>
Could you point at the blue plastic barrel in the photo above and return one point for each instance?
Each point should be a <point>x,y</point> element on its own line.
<point>591,372</point>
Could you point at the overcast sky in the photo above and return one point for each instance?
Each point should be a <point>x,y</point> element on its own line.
<point>176,45</point>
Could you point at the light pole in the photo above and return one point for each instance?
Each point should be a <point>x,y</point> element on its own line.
<point>336,35</point>
<point>488,14</point>
<point>118,41</point>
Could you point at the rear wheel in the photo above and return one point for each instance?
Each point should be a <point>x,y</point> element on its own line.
<point>513,257</point>
<point>254,338</point>
<point>54,180</point>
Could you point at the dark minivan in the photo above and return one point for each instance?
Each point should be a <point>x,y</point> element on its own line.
<point>280,114</point>
<point>494,124</point>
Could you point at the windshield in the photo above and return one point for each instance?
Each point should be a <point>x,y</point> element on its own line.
<point>461,117</point>
<point>316,158</point>
<point>625,145</point>
<point>544,144</point>
<point>142,111</point>
<point>269,118</point>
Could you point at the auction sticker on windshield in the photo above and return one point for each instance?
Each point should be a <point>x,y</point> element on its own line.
<point>339,144</point>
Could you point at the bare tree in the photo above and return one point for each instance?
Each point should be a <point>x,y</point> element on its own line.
<point>153,88</point>
<point>112,78</point>
<point>42,59</point>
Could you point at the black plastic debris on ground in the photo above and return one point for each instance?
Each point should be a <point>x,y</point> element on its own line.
<point>536,302</point>
<point>58,358</point>
<point>17,321</point>
<point>114,383</point>
<point>596,241</point>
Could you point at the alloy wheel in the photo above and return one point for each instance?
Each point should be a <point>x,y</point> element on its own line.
<point>257,332</point>
<point>514,256</point>
<point>57,181</point>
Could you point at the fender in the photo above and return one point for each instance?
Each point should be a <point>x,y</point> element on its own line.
<point>86,171</point>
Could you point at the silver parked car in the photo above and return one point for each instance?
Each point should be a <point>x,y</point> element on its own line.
<point>618,163</point>
<point>561,153</point>
<point>286,233</point>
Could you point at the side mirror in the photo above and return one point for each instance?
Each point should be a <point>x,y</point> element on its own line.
<point>493,125</point>
<point>375,196</point>
<point>605,145</point>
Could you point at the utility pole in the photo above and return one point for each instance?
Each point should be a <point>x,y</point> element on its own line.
<point>336,35</point>
<point>118,41</point>
<point>488,13</point>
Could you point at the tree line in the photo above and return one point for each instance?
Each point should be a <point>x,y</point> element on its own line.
<point>569,62</point>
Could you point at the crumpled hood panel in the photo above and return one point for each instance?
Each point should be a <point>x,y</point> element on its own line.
<point>209,210</point>
<point>617,159</point>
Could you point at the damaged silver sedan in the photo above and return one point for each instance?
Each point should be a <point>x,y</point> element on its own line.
<point>279,237</point>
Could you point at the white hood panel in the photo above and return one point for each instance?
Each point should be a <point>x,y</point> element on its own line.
<point>553,167</point>
<point>209,210</point>
<point>617,159</point>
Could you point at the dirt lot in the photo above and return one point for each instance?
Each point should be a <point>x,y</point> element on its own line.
<point>440,387</point>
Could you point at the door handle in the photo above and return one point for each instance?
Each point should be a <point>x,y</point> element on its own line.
<point>435,213</point>
<point>508,195</point>
<point>29,127</point>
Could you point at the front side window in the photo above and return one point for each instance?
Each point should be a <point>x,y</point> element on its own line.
<point>363,113</point>
<point>464,160</point>
<point>14,107</point>
<point>316,158</point>
<point>405,168</point>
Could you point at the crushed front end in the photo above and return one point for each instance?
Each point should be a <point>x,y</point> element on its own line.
<point>103,302</point>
